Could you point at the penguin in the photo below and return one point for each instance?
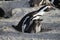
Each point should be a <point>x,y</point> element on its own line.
<point>57,3</point>
<point>28,23</point>
<point>33,3</point>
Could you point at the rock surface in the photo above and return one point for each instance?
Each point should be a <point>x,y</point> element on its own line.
<point>51,20</point>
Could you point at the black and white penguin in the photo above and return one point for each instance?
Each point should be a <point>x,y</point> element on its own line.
<point>34,3</point>
<point>31,21</point>
<point>57,3</point>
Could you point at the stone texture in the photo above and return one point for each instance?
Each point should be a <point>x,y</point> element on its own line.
<point>51,20</point>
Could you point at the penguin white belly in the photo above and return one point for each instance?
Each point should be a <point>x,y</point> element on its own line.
<point>38,29</point>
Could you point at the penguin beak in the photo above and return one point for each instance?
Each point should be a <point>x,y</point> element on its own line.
<point>51,7</point>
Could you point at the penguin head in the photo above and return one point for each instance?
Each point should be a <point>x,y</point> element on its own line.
<point>46,8</point>
<point>49,8</point>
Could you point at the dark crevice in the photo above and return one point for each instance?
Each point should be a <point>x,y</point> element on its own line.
<point>2,13</point>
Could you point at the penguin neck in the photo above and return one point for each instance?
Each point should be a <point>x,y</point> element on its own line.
<point>41,11</point>
<point>41,8</point>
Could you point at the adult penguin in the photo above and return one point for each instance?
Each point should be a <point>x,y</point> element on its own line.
<point>57,3</point>
<point>26,23</point>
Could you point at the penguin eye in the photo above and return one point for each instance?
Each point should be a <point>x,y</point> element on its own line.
<point>47,9</point>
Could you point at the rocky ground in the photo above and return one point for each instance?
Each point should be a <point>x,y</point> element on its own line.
<point>51,20</point>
